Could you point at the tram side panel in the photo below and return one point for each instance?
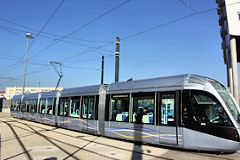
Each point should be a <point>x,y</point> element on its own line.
<point>123,112</point>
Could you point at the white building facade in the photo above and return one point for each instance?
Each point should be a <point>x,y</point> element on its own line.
<point>11,91</point>
<point>229,21</point>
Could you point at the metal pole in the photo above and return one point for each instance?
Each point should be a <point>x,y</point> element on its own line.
<point>234,68</point>
<point>227,67</point>
<point>58,82</point>
<point>230,74</point>
<point>102,70</point>
<point>25,66</point>
<point>60,73</point>
<point>117,59</point>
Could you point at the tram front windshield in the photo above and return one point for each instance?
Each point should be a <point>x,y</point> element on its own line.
<point>224,93</point>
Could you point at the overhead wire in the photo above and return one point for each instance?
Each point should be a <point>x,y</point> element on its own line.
<point>150,29</point>
<point>7,78</point>
<point>65,41</point>
<point>45,25</point>
<point>65,66</point>
<point>144,31</point>
<point>189,5</point>
<point>18,59</point>
<point>162,25</point>
<point>88,51</point>
<point>81,27</point>
<point>174,21</point>
<point>166,23</point>
<point>33,31</point>
<point>9,31</point>
<point>41,31</point>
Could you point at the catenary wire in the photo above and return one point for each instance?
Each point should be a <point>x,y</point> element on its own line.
<point>32,30</point>
<point>45,25</point>
<point>161,25</point>
<point>66,41</point>
<point>165,24</point>
<point>189,5</point>
<point>52,43</point>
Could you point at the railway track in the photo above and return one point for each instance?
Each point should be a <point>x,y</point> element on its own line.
<point>25,151</point>
<point>53,142</point>
<point>43,132</point>
<point>89,141</point>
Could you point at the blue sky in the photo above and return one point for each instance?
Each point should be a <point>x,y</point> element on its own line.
<point>192,45</point>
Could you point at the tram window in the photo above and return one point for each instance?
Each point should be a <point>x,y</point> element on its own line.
<point>96,107</point>
<point>28,105</point>
<point>17,106</point>
<point>74,107</point>
<point>49,106</point>
<point>42,108</point>
<point>33,106</point>
<point>167,108</point>
<point>13,105</point>
<point>187,114</point>
<point>35,102</point>
<point>107,107</point>
<point>54,106</point>
<point>143,108</point>
<point>84,107</point>
<point>23,106</point>
<point>63,107</point>
<point>88,107</point>
<point>207,110</point>
<point>119,108</point>
<point>91,108</point>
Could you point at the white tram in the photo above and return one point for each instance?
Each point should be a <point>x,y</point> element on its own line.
<point>184,111</point>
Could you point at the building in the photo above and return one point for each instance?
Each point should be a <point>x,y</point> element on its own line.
<point>11,91</point>
<point>229,21</point>
<point>2,94</point>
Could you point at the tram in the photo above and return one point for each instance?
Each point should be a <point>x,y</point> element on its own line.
<point>184,111</point>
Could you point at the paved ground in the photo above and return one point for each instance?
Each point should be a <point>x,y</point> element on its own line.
<point>37,141</point>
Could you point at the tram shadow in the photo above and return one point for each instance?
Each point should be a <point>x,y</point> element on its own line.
<point>137,149</point>
<point>50,158</point>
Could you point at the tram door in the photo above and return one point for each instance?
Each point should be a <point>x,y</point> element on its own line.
<point>167,118</point>
<point>63,110</point>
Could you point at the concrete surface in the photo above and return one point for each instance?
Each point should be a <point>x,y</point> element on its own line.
<point>48,142</point>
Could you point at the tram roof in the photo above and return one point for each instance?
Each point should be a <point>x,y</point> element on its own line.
<point>155,84</point>
<point>48,94</point>
<point>81,91</point>
<point>30,95</point>
<point>16,97</point>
